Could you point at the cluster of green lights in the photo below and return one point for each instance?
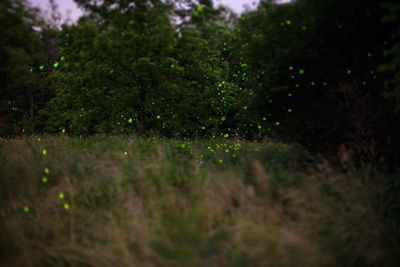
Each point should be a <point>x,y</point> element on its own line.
<point>45,180</point>
<point>55,65</point>
<point>289,22</point>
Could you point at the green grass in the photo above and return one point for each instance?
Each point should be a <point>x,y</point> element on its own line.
<point>184,203</point>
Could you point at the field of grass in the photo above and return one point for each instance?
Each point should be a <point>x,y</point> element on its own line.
<point>135,201</point>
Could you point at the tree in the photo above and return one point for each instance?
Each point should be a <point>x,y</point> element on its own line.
<point>296,61</point>
<point>22,69</point>
<point>126,72</point>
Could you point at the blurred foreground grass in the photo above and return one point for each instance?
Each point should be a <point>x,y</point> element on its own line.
<point>130,201</point>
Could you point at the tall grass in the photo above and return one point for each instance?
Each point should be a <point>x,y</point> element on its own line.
<point>131,201</point>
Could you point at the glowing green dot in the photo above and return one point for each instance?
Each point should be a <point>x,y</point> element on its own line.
<point>289,110</point>
<point>55,65</point>
<point>270,101</point>
<point>291,68</point>
<point>183,145</point>
<point>203,127</point>
<point>63,130</point>
<point>199,9</point>
<point>158,117</point>
<point>304,28</point>
<point>297,85</point>
<point>125,153</point>
<point>61,195</point>
<point>38,139</point>
<point>259,126</point>
<point>41,67</point>
<point>223,118</point>
<point>66,206</point>
<point>111,71</point>
<point>44,152</point>
<point>277,123</point>
<point>348,72</point>
<point>290,94</point>
<point>312,83</point>
<point>130,120</point>
<point>44,179</point>
<point>62,58</point>
<point>364,83</point>
<point>30,69</point>
<point>264,118</point>
<point>325,83</point>
<point>301,71</point>
<point>220,161</point>
<point>245,107</point>
<point>46,170</point>
<point>172,65</point>
<point>369,54</point>
<point>288,22</point>
<point>26,209</point>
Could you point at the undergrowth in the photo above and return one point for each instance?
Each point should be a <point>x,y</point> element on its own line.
<point>132,201</point>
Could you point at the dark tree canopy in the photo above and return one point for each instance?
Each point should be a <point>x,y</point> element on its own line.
<point>321,73</point>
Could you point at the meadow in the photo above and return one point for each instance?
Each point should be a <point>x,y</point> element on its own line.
<point>150,201</point>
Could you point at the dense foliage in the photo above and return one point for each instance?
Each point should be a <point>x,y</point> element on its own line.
<point>321,74</point>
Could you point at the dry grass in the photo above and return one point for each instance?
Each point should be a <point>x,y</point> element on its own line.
<point>163,204</point>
